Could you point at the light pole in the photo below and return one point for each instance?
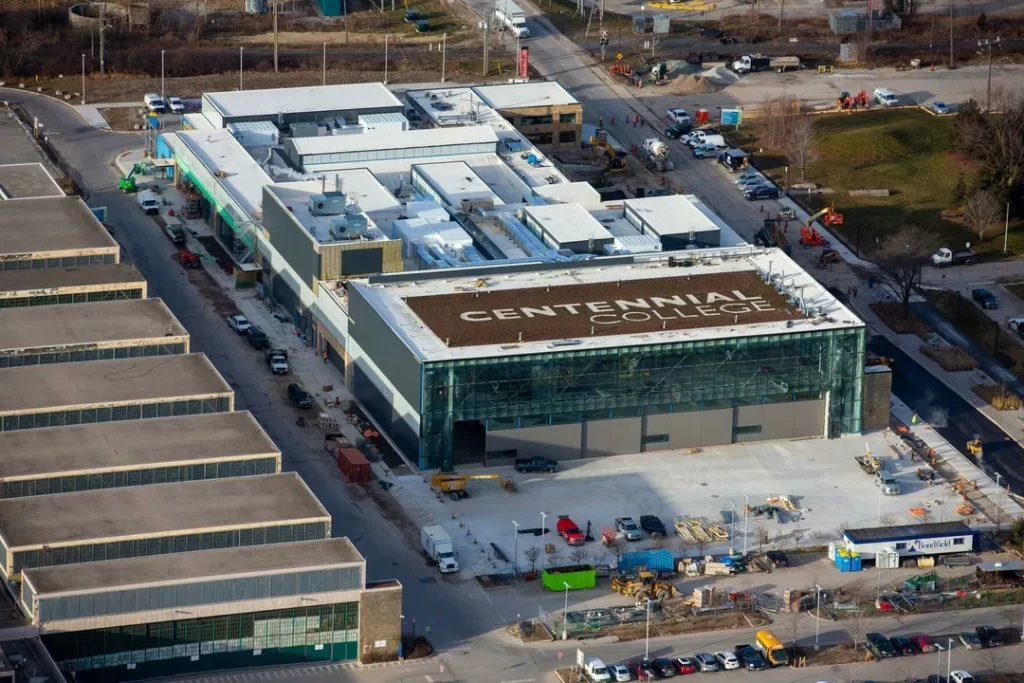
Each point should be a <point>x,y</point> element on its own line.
<point>241,53</point>
<point>543,530</point>
<point>385,60</point>
<point>444,50</point>
<point>515,559</point>
<point>988,44</point>
<point>162,73</point>
<point>879,506</point>
<point>83,78</point>
<point>647,639</point>
<point>949,657</point>
<point>732,534</point>
<point>746,506</point>
<point>565,613</point>
<point>817,616</point>
<point>325,63</point>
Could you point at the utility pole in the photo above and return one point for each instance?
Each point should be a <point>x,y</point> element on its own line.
<point>241,53</point>
<point>951,65</point>
<point>325,63</point>
<point>83,102</point>
<point>385,57</point>
<point>102,26</point>
<point>162,52</point>
<point>931,44</point>
<point>988,44</point>
<point>444,50</point>
<point>344,10</point>
<point>275,35</point>
<point>486,28</point>
<point>782,8</point>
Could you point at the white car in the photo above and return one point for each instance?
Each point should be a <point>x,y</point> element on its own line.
<point>679,115</point>
<point>728,660</point>
<point>239,323</point>
<point>176,105</point>
<point>620,672</point>
<point>751,181</point>
<point>960,676</point>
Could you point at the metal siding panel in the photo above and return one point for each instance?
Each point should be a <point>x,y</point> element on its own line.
<point>382,345</point>
<point>288,237</point>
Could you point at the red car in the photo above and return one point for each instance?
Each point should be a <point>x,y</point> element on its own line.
<point>684,665</point>
<point>642,670</point>
<point>924,643</point>
<point>568,530</point>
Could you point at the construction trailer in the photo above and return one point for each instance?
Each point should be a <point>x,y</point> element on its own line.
<point>911,540</point>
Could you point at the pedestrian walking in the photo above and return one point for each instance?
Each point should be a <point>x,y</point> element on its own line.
<point>913,418</point>
<point>613,120</point>
<point>325,355</point>
<point>600,122</point>
<point>643,122</point>
<point>854,292</point>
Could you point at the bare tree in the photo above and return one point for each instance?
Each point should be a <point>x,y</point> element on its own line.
<point>616,549</point>
<point>899,258</point>
<point>790,623</point>
<point>799,143</point>
<point>820,537</point>
<point>579,556</point>
<point>993,661</point>
<point>775,117</point>
<point>858,596</point>
<point>980,211</point>
<point>762,536</point>
<point>887,520</point>
<point>532,554</point>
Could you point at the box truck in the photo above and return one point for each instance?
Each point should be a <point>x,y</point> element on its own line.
<point>438,546</point>
<point>512,17</point>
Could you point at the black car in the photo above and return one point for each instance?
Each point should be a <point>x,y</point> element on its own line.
<point>761,192</point>
<point>299,397</point>
<point>879,646</point>
<point>985,298</point>
<point>903,645</point>
<point>653,526</point>
<point>989,636</point>
<point>663,667</point>
<point>777,558</point>
<point>257,338</point>
<point>677,130</point>
<point>750,658</point>
<point>642,670</point>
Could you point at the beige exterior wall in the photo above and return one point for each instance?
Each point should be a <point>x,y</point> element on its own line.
<point>331,258</point>
<point>515,117</point>
<point>380,622</point>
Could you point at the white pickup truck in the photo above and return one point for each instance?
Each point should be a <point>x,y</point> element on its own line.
<point>149,202</point>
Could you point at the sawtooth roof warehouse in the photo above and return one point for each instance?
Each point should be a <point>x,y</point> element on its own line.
<point>486,364</point>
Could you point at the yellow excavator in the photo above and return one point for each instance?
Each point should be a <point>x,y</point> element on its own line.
<point>454,485</point>
<point>614,163</point>
<point>975,446</point>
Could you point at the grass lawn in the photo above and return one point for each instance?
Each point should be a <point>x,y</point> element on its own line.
<point>906,152</point>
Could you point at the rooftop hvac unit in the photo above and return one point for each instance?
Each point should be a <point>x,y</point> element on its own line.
<point>327,204</point>
<point>349,227</point>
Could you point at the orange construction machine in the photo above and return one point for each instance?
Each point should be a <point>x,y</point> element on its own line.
<point>848,101</point>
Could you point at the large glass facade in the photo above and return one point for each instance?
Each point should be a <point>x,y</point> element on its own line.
<point>65,262</point>
<point>573,386</point>
<point>122,294</point>
<point>163,545</point>
<point>61,418</point>
<point>289,636</point>
<point>156,348</point>
<point>198,593</point>
<point>139,477</point>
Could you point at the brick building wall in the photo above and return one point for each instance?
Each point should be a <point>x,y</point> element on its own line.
<point>380,621</point>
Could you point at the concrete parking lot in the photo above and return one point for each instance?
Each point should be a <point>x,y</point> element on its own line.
<point>821,476</point>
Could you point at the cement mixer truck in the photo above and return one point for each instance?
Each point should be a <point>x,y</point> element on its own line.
<point>655,153</point>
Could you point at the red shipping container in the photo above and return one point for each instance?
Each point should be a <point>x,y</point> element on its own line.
<point>353,465</point>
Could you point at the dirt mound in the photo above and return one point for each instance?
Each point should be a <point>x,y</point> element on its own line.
<point>688,85</point>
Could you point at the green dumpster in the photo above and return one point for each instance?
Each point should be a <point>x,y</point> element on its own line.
<point>577,577</point>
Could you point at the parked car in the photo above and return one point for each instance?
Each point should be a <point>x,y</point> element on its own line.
<point>970,640</point>
<point>663,667</point>
<point>679,115</point>
<point>750,658</point>
<point>777,558</point>
<point>939,107</point>
<point>879,646</point>
<point>706,151</point>
<point>568,530</point>
<point>239,323</point>
<point>653,526</point>
<point>753,180</point>
<point>904,645</point>
<point>887,482</point>
<point>628,528</point>
<point>924,642</point>
<point>176,105</point>
<point>936,678</point>
<point>299,397</point>
<point>641,668</point>
<point>685,665</point>
<point>620,672</point>
<point>154,103</point>
<point>761,192</point>
<point>536,465</point>
<point>886,97</point>
<point>989,636</point>
<point>985,298</point>
<point>706,662</point>
<point>257,338</point>
<point>960,676</point>
<point>727,660</point>
<point>677,130</point>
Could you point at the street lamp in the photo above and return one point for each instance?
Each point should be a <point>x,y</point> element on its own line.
<point>241,52</point>
<point>444,51</point>
<point>385,60</point>
<point>817,616</point>
<point>746,506</point>
<point>162,73</point>
<point>647,639</point>
<point>515,559</point>
<point>565,613</point>
<point>732,534</point>
<point>325,63</point>
<point>543,530</point>
<point>949,658</point>
<point>83,78</point>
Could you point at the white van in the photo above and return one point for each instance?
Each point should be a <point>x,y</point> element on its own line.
<point>886,97</point>
<point>154,103</point>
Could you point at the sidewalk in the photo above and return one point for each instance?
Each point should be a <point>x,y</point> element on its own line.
<point>93,117</point>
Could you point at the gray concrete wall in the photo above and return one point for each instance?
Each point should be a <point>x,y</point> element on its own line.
<point>877,392</point>
<point>558,442</point>
<point>611,437</point>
